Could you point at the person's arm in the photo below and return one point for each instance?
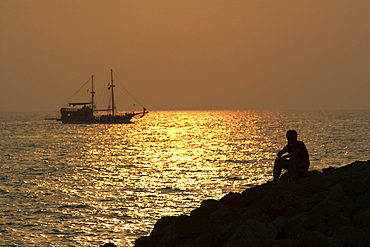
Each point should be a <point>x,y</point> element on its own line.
<point>283,151</point>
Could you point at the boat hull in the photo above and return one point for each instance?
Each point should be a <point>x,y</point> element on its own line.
<point>86,116</point>
<point>97,122</point>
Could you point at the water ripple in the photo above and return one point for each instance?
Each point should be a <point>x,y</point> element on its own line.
<point>63,185</point>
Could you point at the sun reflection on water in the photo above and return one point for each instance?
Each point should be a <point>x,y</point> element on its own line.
<point>132,175</point>
<point>112,182</point>
<point>90,184</point>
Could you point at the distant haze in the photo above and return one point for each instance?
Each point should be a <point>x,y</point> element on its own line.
<point>185,54</point>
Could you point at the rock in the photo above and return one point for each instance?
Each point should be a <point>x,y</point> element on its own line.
<point>291,211</point>
<point>321,227</point>
<point>350,236</point>
<point>233,200</point>
<point>253,233</point>
<point>286,243</point>
<point>364,242</point>
<point>329,208</point>
<point>205,240</point>
<point>108,245</point>
<point>255,214</point>
<point>328,170</point>
<point>207,207</point>
<point>309,238</point>
<point>363,200</point>
<point>162,224</point>
<point>362,219</point>
<point>311,219</point>
<point>329,241</point>
<point>290,227</point>
<point>356,186</point>
<point>223,217</point>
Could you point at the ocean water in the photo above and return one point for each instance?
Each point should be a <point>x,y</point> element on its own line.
<point>85,185</point>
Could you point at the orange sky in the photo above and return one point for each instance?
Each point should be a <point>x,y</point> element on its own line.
<point>185,54</point>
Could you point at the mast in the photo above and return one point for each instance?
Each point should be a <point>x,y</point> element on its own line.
<point>111,87</point>
<point>92,94</point>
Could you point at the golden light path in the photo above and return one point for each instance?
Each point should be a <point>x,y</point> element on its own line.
<point>125,177</point>
<point>85,185</point>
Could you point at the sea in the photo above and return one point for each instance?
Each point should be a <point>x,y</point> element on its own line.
<point>90,184</point>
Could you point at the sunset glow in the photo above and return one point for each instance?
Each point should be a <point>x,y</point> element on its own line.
<point>189,54</point>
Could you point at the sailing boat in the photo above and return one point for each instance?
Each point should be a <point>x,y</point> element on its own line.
<point>86,112</point>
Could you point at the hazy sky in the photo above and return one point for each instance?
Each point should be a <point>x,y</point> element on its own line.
<point>185,54</point>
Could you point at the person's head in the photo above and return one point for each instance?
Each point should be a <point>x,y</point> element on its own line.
<point>292,136</point>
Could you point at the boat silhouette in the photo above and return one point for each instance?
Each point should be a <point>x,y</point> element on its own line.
<point>86,112</point>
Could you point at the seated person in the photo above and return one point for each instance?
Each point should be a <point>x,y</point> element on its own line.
<point>296,161</point>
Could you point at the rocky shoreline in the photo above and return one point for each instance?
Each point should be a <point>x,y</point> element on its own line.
<point>328,208</point>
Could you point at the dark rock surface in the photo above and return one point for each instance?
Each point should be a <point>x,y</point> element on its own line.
<point>108,245</point>
<point>328,208</point>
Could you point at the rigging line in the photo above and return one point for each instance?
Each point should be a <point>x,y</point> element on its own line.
<point>132,97</point>
<point>65,102</point>
<point>79,89</point>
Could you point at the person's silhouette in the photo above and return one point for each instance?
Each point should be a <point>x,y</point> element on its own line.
<point>297,160</point>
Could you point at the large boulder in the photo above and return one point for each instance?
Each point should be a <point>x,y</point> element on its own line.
<point>253,233</point>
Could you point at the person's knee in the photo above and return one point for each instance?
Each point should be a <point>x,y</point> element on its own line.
<point>281,163</point>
